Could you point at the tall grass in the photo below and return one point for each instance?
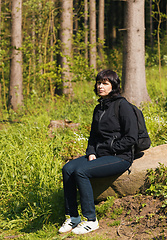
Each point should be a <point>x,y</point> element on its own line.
<point>155,112</point>
<point>31,193</point>
<point>155,86</point>
<point>31,160</point>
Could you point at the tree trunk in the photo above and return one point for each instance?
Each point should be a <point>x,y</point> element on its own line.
<point>40,38</point>
<point>16,91</point>
<point>66,43</point>
<point>93,33</point>
<point>151,28</point>
<point>113,24</point>
<point>86,27</point>
<point>51,35</point>
<point>101,28</point>
<point>33,42</point>
<point>133,76</point>
<point>166,14</point>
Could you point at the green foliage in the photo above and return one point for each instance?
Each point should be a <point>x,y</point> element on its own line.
<point>79,65</point>
<point>152,58</point>
<point>31,161</point>
<point>157,180</point>
<point>115,223</point>
<point>116,60</point>
<point>156,120</point>
<point>105,207</point>
<point>116,212</point>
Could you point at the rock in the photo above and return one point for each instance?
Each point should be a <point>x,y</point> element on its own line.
<point>130,183</point>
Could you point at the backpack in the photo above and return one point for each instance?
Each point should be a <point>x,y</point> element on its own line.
<point>144,141</point>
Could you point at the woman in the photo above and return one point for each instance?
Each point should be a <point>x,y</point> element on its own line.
<point>109,152</point>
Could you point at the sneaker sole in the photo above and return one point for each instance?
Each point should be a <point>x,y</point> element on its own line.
<point>69,230</point>
<point>87,231</point>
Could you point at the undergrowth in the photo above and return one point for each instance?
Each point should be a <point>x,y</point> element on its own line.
<point>31,191</point>
<point>157,180</point>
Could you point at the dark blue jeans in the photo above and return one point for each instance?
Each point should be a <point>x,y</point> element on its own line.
<point>77,172</point>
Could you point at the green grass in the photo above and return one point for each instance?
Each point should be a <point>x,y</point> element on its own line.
<point>31,192</point>
<point>155,86</point>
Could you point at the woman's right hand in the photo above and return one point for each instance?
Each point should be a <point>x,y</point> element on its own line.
<point>91,157</point>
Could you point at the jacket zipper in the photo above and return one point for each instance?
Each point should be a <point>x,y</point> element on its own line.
<point>100,119</point>
<point>114,137</point>
<point>99,126</point>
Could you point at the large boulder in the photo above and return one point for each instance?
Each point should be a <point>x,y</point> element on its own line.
<point>133,181</point>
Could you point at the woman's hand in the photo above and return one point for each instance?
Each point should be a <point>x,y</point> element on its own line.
<point>91,157</point>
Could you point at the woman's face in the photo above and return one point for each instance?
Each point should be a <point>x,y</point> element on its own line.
<point>104,87</point>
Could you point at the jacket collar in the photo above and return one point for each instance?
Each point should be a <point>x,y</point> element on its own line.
<point>106,101</point>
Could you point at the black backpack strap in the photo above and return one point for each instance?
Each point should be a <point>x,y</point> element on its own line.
<point>116,108</point>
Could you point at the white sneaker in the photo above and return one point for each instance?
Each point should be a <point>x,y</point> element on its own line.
<point>69,224</point>
<point>86,227</point>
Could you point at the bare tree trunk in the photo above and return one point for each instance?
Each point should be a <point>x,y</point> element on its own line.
<point>134,79</point>
<point>93,33</point>
<point>33,41</point>
<point>16,91</point>
<point>40,38</point>
<point>66,40</point>
<point>166,14</point>
<point>52,88</point>
<point>151,27</point>
<point>51,34</point>
<point>101,28</point>
<point>113,23</point>
<point>86,27</point>
<point>75,18</point>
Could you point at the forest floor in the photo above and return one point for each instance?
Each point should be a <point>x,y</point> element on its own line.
<point>137,217</point>
<point>140,217</point>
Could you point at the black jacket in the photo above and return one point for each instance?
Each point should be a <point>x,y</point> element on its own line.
<point>109,136</point>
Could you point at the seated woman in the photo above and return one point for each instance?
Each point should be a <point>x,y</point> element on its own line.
<point>109,152</point>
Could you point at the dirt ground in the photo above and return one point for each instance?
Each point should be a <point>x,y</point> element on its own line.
<point>141,218</point>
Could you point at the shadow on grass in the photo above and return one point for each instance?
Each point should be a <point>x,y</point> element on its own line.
<point>54,213</point>
<point>48,209</point>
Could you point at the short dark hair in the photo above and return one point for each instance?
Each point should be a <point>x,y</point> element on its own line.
<point>112,77</point>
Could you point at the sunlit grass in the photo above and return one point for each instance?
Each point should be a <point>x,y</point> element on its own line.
<point>156,87</point>
<point>31,194</point>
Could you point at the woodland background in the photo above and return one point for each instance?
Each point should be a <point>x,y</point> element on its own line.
<point>31,154</point>
<point>95,39</point>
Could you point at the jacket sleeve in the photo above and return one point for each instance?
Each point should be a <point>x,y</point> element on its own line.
<point>129,129</point>
<point>91,148</point>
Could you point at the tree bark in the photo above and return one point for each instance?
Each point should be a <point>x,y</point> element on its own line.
<point>16,89</point>
<point>166,14</point>
<point>51,36</point>
<point>113,23</point>
<point>86,27</point>
<point>40,38</point>
<point>133,76</point>
<point>101,28</point>
<point>93,33</point>
<point>33,42</point>
<point>151,28</point>
<point>66,43</point>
